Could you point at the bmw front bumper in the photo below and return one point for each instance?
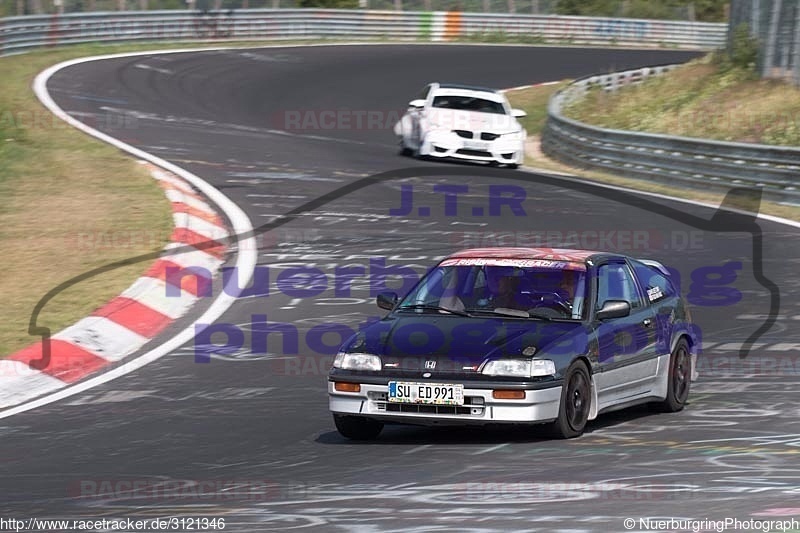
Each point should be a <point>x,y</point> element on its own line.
<point>446,144</point>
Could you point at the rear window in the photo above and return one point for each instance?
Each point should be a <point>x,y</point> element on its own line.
<point>655,284</point>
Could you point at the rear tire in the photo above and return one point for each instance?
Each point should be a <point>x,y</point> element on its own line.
<point>576,402</point>
<point>679,380</point>
<point>357,427</point>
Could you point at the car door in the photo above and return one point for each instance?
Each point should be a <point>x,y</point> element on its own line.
<point>626,345</point>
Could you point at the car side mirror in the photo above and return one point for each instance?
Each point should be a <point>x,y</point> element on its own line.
<point>518,113</point>
<point>614,309</point>
<point>387,300</point>
<point>417,104</point>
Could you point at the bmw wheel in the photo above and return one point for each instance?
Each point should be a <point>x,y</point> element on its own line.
<point>405,150</point>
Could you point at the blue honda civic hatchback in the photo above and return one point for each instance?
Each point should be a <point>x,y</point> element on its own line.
<point>519,336</point>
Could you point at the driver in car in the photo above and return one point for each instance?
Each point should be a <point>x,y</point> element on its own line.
<point>507,295</point>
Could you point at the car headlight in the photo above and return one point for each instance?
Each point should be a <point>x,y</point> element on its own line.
<point>514,135</point>
<point>520,368</point>
<point>357,361</point>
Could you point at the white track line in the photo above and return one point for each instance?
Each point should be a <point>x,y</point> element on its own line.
<point>245,261</point>
<point>247,257</point>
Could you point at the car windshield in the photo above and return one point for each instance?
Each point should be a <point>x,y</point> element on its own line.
<point>468,103</point>
<point>517,288</point>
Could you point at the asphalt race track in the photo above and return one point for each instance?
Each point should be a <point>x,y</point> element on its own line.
<point>246,434</point>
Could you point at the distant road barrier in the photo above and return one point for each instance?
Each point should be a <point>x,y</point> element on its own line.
<point>697,163</point>
<point>19,34</point>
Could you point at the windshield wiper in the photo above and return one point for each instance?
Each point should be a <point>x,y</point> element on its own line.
<point>430,307</point>
<point>505,311</point>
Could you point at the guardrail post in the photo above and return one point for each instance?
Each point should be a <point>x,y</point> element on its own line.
<point>36,7</point>
<point>772,38</point>
<point>755,18</point>
<point>796,48</point>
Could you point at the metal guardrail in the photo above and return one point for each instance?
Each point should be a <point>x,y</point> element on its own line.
<point>20,34</point>
<point>702,163</point>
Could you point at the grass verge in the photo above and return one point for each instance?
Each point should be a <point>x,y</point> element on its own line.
<point>657,103</point>
<point>701,99</point>
<point>68,203</point>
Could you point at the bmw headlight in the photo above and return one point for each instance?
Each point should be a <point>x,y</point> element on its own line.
<point>520,368</point>
<point>357,361</point>
<point>514,135</point>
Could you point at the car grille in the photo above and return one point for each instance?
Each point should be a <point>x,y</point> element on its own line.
<point>476,153</point>
<point>473,406</point>
<point>463,133</point>
<point>489,136</point>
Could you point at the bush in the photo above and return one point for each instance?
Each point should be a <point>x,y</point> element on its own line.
<point>743,49</point>
<point>705,10</point>
<point>330,4</point>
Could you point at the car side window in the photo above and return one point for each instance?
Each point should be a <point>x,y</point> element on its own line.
<point>615,282</point>
<point>655,284</point>
<point>423,94</point>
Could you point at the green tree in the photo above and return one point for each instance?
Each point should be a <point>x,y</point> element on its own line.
<point>705,10</point>
<point>331,4</point>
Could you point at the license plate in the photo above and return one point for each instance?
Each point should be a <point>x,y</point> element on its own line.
<point>474,145</point>
<point>430,393</point>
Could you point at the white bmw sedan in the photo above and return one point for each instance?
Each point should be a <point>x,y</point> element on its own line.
<point>462,122</point>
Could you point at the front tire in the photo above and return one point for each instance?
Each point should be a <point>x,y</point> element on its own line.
<point>679,380</point>
<point>576,401</point>
<point>357,427</point>
<point>405,151</point>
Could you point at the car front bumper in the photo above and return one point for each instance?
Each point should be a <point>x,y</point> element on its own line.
<point>540,405</point>
<point>449,145</point>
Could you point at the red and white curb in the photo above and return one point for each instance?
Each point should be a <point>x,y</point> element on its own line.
<point>127,322</point>
<point>94,343</point>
